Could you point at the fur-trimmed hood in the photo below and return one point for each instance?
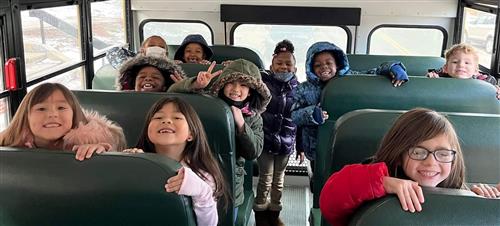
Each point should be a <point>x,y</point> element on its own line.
<point>246,72</point>
<point>339,55</point>
<point>129,70</point>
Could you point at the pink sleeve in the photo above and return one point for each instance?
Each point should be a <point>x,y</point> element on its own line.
<point>98,130</point>
<point>201,192</point>
<point>347,189</point>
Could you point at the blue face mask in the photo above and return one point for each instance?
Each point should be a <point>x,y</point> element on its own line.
<point>284,76</point>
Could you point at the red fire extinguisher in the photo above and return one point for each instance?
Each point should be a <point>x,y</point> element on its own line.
<point>10,74</point>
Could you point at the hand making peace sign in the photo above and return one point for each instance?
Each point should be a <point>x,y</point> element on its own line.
<point>204,77</point>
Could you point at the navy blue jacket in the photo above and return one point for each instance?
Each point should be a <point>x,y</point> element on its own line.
<point>279,128</point>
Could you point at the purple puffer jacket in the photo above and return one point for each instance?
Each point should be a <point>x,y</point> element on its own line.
<point>279,129</point>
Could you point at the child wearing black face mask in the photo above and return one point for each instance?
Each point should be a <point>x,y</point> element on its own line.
<point>279,135</point>
<point>241,87</point>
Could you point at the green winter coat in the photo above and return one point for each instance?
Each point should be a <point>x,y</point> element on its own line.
<point>249,144</point>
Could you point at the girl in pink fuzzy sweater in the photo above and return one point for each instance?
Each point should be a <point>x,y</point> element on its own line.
<point>50,117</point>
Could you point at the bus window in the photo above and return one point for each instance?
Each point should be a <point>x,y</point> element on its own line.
<point>51,40</point>
<point>4,102</point>
<point>174,32</point>
<point>108,25</point>
<point>478,30</point>
<point>4,113</point>
<point>386,40</point>
<point>263,39</point>
<point>73,79</point>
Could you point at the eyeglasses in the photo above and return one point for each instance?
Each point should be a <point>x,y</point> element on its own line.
<point>441,155</point>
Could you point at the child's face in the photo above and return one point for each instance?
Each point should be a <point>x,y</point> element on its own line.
<point>283,62</point>
<point>156,41</point>
<point>193,53</point>
<point>236,91</point>
<point>324,66</point>
<point>149,79</point>
<point>169,131</point>
<point>51,119</point>
<point>461,65</point>
<point>429,172</point>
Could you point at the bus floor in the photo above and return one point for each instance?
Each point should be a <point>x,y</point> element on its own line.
<point>297,201</point>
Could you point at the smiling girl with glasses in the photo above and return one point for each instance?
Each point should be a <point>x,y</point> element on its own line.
<point>421,149</point>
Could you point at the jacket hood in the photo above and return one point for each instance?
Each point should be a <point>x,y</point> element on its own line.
<point>339,55</point>
<point>196,38</point>
<point>245,72</point>
<point>129,70</point>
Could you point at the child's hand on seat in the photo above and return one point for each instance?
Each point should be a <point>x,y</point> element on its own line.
<point>85,151</point>
<point>409,193</point>
<point>204,77</point>
<point>398,74</point>
<point>133,150</point>
<point>206,62</point>
<point>319,115</point>
<point>486,191</point>
<point>174,183</point>
<point>432,74</point>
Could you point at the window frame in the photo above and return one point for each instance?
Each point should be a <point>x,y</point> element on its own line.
<point>344,27</point>
<point>439,28</point>
<point>144,22</point>
<point>487,6</point>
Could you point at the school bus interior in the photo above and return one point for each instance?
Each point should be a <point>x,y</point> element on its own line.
<point>66,41</point>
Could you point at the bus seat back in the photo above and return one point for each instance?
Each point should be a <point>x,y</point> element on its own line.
<point>351,93</point>
<point>110,189</point>
<point>358,135</point>
<point>227,52</point>
<point>415,65</point>
<point>442,207</point>
<point>105,78</point>
<point>129,110</point>
<point>445,94</point>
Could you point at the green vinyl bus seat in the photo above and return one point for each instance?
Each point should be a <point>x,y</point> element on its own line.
<point>415,65</point>
<point>351,93</point>
<point>227,52</point>
<point>358,135</point>
<point>47,187</point>
<point>105,78</point>
<point>129,109</point>
<point>441,207</point>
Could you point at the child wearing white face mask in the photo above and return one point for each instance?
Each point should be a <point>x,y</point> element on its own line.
<point>154,46</point>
